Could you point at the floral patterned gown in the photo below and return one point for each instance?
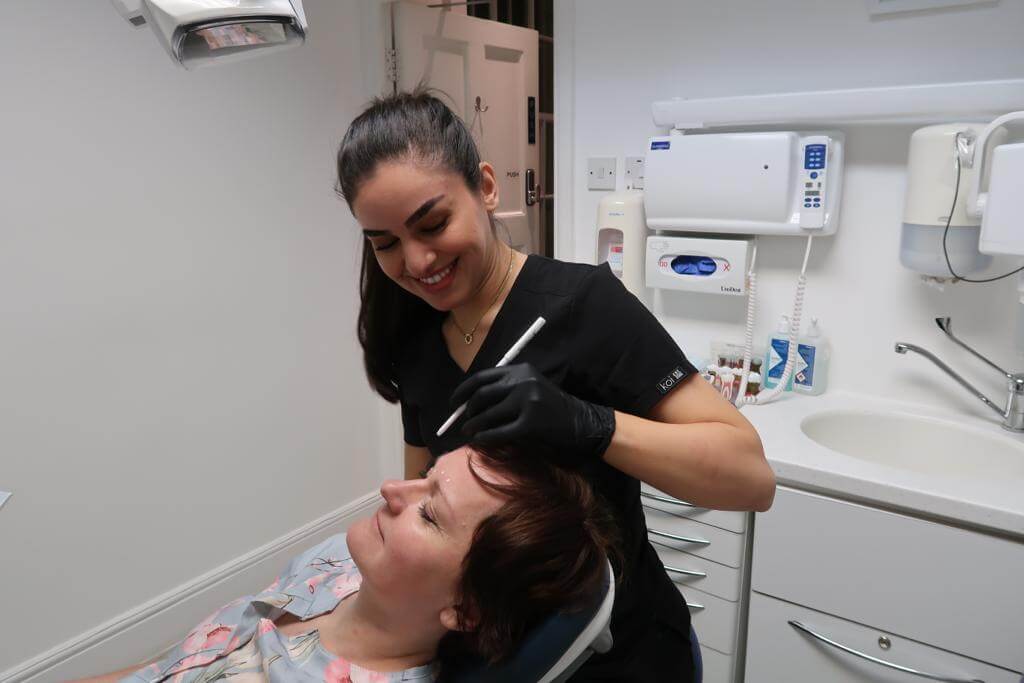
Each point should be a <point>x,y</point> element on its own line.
<point>240,643</point>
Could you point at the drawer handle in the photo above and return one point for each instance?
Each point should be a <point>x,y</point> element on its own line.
<point>935,677</point>
<point>693,605</point>
<point>684,539</point>
<point>666,499</point>
<point>688,572</point>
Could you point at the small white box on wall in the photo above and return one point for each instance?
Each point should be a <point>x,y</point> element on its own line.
<point>697,264</point>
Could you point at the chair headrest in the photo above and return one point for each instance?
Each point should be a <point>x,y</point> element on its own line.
<point>552,645</point>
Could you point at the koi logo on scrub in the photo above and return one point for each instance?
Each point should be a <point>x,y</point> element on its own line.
<point>670,380</point>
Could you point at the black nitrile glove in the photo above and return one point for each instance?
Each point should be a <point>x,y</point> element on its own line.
<point>516,403</point>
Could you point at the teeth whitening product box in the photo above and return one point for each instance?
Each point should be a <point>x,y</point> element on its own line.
<point>697,264</point>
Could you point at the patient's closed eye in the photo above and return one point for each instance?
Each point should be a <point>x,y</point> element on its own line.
<point>427,516</point>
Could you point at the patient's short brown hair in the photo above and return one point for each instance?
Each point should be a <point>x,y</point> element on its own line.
<point>544,551</point>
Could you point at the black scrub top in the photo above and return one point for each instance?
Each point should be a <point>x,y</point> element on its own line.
<point>599,344</point>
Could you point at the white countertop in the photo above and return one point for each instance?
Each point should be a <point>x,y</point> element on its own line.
<point>991,503</point>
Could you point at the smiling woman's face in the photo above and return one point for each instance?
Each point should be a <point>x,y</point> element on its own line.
<point>412,549</point>
<point>430,232</point>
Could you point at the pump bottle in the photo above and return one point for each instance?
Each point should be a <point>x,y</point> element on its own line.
<point>813,353</point>
<point>778,351</point>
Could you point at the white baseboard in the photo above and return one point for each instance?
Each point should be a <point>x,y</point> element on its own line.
<point>144,631</point>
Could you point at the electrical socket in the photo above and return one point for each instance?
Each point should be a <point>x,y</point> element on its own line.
<point>635,172</point>
<point>601,173</point>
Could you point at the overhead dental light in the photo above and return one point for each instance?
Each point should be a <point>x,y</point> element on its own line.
<point>198,33</point>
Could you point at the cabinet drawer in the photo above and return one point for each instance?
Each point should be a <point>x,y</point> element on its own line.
<point>777,651</point>
<point>724,519</point>
<point>717,667</point>
<point>955,589</point>
<point>718,579</point>
<point>710,542</point>
<point>714,620</point>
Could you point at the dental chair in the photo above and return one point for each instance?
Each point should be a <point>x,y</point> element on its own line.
<point>555,649</point>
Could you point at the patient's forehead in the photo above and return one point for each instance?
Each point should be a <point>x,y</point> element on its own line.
<point>452,470</point>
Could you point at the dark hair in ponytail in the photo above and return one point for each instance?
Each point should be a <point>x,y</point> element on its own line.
<point>414,127</point>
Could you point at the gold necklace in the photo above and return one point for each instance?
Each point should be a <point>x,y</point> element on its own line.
<point>468,336</point>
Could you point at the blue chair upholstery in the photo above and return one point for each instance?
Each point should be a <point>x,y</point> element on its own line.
<point>698,661</point>
<point>552,651</point>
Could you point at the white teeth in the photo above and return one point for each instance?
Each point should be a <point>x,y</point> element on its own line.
<point>437,277</point>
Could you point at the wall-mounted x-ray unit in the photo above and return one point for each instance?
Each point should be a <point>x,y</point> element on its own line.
<point>773,183</point>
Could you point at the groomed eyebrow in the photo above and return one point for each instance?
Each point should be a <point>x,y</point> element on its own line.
<point>424,208</point>
<point>415,216</point>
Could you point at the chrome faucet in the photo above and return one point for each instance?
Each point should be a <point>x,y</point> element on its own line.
<point>1013,413</point>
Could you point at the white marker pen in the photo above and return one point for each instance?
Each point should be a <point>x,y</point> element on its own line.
<point>530,333</point>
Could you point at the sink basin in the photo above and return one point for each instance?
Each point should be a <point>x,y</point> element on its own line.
<point>919,444</point>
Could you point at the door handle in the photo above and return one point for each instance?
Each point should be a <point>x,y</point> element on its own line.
<point>531,187</point>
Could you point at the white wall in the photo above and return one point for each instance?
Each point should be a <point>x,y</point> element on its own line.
<point>180,381</point>
<point>615,58</point>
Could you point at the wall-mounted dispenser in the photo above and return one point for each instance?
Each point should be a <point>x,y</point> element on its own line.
<point>774,183</point>
<point>932,181</point>
<point>945,204</point>
<point>697,264</point>
<point>621,229</point>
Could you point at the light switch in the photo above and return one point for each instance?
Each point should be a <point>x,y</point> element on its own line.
<point>601,173</point>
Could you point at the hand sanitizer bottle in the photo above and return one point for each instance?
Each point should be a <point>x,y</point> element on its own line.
<point>775,360</point>
<point>811,370</point>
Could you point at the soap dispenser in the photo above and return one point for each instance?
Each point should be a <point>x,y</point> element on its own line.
<point>778,351</point>
<point>812,357</point>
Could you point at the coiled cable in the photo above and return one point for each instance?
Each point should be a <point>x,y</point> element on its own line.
<point>748,342</point>
<point>794,331</point>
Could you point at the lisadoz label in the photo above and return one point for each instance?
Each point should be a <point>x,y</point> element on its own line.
<point>670,380</point>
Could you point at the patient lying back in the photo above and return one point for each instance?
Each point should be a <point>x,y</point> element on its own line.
<point>462,562</point>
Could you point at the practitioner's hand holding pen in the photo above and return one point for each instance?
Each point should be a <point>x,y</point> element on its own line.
<point>517,403</point>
